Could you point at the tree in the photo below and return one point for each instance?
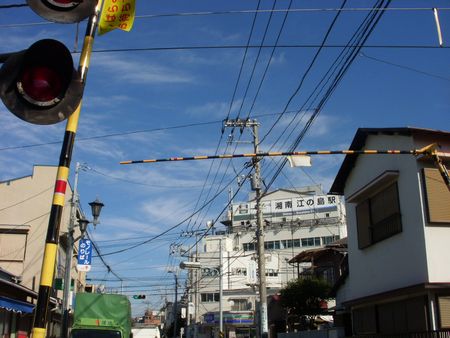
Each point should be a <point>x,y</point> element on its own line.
<point>304,299</point>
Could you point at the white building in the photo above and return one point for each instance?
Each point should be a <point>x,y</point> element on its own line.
<point>398,209</point>
<point>295,220</point>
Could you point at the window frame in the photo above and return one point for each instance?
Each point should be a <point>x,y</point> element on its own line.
<point>364,214</point>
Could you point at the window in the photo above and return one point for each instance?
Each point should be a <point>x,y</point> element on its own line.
<point>239,271</point>
<point>378,217</point>
<point>437,197</point>
<point>287,243</point>
<point>13,241</point>
<point>239,304</point>
<point>271,273</point>
<point>329,239</point>
<point>269,245</point>
<point>272,245</point>
<point>296,243</point>
<point>243,209</point>
<point>444,310</point>
<point>311,241</point>
<point>249,246</point>
<point>210,297</point>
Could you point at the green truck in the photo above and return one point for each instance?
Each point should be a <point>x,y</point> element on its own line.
<point>101,316</point>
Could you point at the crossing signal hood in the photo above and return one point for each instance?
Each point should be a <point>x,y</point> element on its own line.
<point>63,11</point>
<point>139,297</point>
<point>40,85</point>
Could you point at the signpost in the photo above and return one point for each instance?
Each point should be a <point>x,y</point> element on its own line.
<point>84,255</point>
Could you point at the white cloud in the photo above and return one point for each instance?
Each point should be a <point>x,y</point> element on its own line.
<point>91,101</point>
<point>170,211</point>
<point>138,71</point>
<point>214,109</point>
<point>130,227</point>
<point>278,59</point>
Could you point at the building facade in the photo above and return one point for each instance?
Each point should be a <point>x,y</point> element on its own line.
<point>294,220</point>
<point>398,216</point>
<point>24,216</point>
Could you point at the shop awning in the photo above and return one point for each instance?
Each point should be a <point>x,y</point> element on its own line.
<point>15,305</point>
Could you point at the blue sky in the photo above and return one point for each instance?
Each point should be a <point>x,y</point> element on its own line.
<point>170,102</point>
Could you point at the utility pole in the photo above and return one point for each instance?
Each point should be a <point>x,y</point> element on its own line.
<point>69,252</point>
<point>196,288</point>
<point>175,306</point>
<point>96,207</point>
<point>221,333</point>
<point>256,186</point>
<point>189,285</point>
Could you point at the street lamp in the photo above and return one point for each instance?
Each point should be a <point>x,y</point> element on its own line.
<point>190,266</point>
<point>96,207</point>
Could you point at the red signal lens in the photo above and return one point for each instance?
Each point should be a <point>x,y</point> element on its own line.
<point>63,4</point>
<point>41,85</point>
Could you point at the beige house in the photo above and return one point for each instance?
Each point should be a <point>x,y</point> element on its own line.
<point>398,223</point>
<point>25,204</point>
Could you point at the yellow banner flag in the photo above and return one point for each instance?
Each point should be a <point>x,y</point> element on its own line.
<point>117,14</point>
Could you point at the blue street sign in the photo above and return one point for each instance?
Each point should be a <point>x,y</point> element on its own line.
<point>84,255</point>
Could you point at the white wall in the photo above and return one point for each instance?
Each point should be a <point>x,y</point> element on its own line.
<point>400,260</point>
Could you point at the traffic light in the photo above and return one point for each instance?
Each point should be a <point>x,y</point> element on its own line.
<point>40,85</point>
<point>63,11</point>
<point>139,297</point>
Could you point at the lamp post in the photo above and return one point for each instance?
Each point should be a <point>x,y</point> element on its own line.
<point>190,266</point>
<point>96,208</point>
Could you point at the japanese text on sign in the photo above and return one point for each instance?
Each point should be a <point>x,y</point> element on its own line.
<point>117,14</point>
<point>84,255</point>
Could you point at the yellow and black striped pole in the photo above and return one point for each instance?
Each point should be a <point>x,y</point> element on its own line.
<point>52,239</point>
<point>293,153</point>
<point>428,151</point>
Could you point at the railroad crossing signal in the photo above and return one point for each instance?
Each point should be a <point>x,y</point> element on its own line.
<point>139,297</point>
<point>40,85</point>
<point>63,11</point>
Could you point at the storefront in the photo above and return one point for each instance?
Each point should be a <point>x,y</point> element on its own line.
<point>15,318</point>
<point>16,309</point>
<point>236,324</point>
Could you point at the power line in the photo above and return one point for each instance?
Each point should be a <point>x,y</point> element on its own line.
<point>13,6</point>
<point>244,57</point>
<point>99,255</point>
<point>343,55</point>
<point>255,63</point>
<point>316,55</point>
<point>218,47</point>
<point>81,139</point>
<point>27,199</point>
<point>169,229</point>
<point>372,20</point>
<point>125,133</point>
<point>141,183</point>
<point>403,67</point>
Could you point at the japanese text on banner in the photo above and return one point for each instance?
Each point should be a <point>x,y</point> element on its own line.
<point>84,255</point>
<point>117,14</point>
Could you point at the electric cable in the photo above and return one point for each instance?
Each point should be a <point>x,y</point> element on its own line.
<point>299,86</point>
<point>168,230</point>
<point>370,25</point>
<point>28,198</point>
<point>221,136</point>
<point>404,67</point>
